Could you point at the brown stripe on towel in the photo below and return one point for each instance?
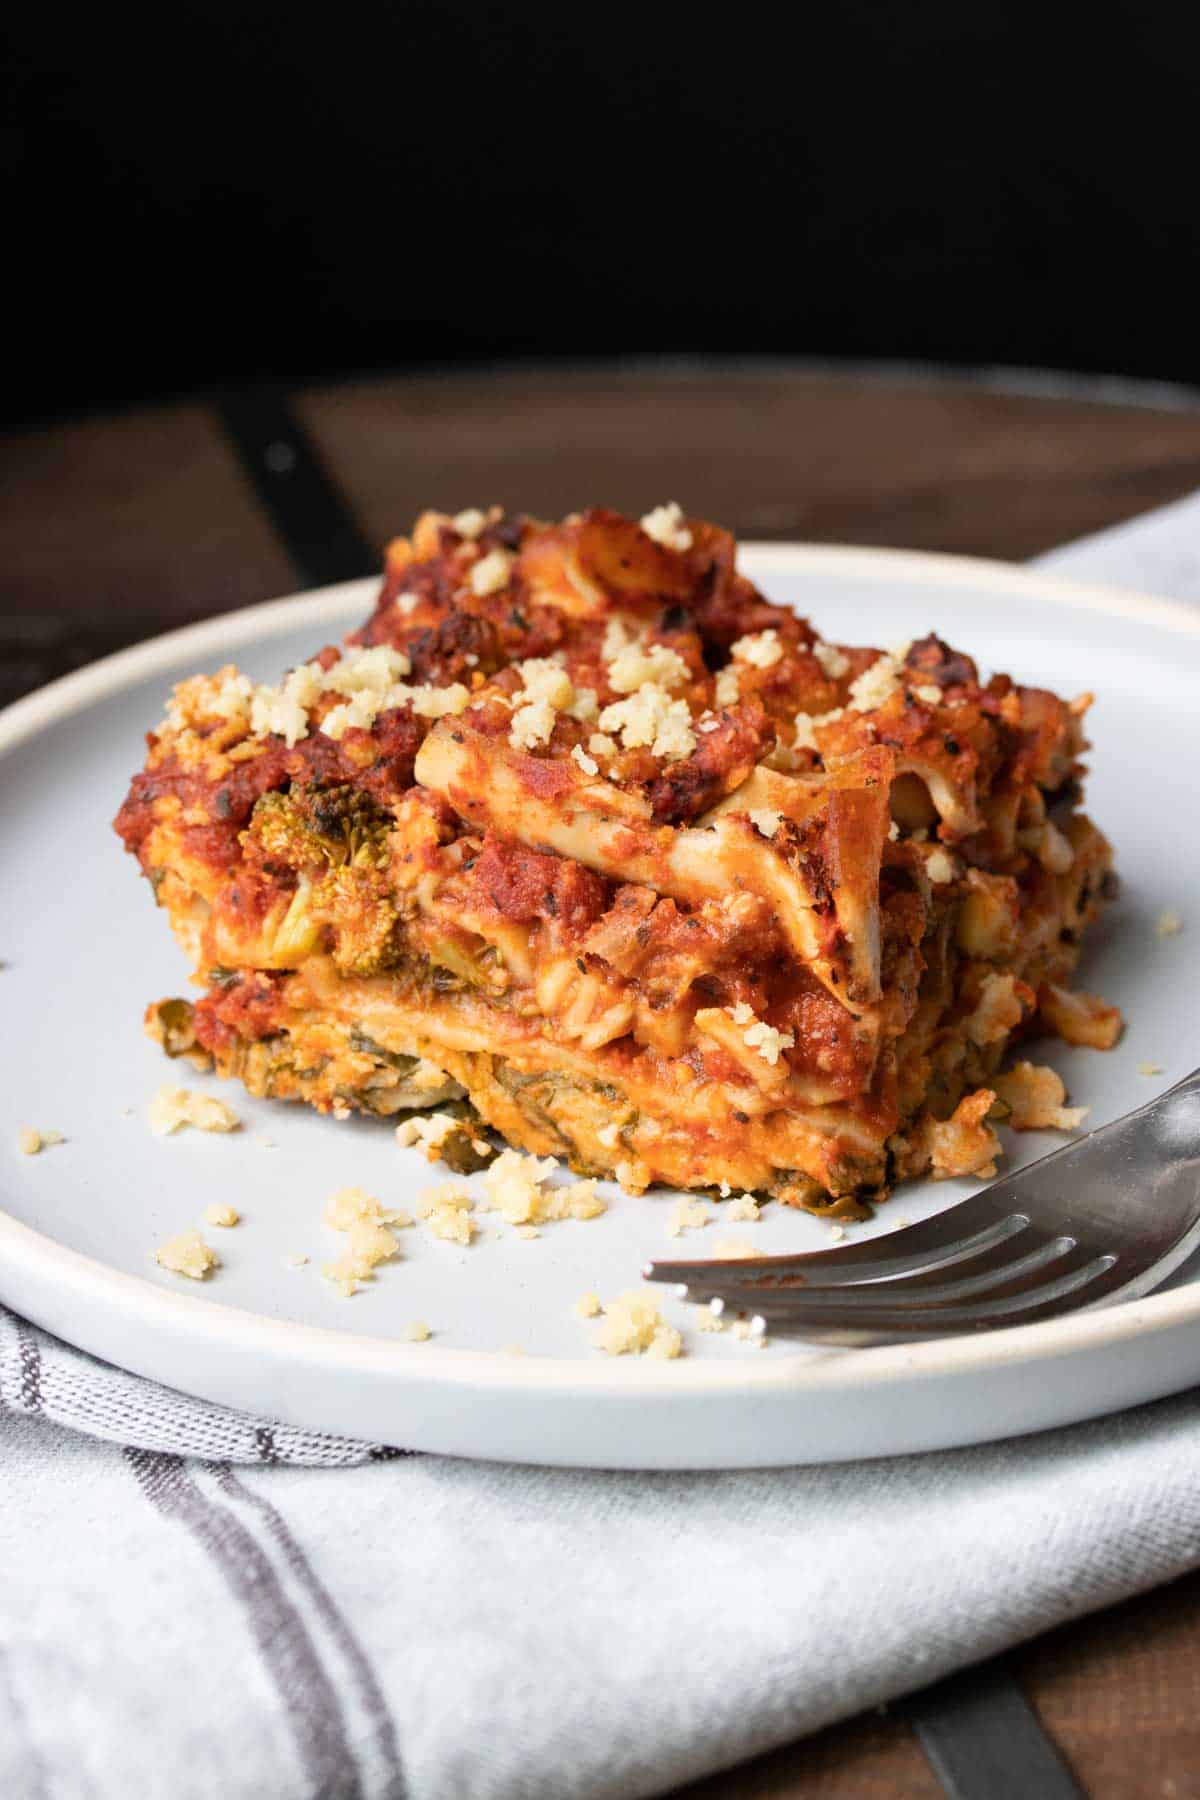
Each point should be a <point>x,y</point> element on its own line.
<point>309,1698</point>
<point>370,1693</point>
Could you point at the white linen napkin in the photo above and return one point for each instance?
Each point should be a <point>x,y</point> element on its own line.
<point>194,1603</point>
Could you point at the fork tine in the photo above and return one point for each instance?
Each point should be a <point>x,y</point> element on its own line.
<point>923,1248</point>
<point>1074,1289</point>
<point>1003,1274</point>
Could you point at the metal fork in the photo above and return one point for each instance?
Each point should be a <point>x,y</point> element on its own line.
<point>1106,1218</point>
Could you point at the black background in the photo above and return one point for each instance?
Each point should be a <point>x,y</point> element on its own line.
<point>222,196</point>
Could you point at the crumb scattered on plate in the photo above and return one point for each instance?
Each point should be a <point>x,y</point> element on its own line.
<point>221,1213</point>
<point>295,1260</point>
<point>1170,924</point>
<point>516,1186</point>
<point>446,1210</point>
<point>416,1332</point>
<point>365,1222</point>
<point>633,1326</point>
<point>587,1306</point>
<point>1150,1068</point>
<point>30,1140</point>
<point>687,1215</point>
<point>172,1108</point>
<point>187,1254</point>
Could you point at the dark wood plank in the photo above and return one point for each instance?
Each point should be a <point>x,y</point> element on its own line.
<point>1120,1694</point>
<point>772,453</point>
<point>114,529</point>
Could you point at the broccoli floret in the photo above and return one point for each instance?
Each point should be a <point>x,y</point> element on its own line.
<point>312,828</point>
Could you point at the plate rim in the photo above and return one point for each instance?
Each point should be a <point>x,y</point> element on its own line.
<point>30,1251</point>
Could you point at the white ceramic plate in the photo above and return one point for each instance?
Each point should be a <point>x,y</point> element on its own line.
<point>84,949</point>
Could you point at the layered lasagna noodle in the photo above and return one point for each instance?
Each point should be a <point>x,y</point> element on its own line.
<point>582,838</point>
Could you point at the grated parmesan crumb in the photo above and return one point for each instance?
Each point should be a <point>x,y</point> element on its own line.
<point>587,1306</point>
<point>532,725</point>
<point>742,1210</point>
<point>650,718</point>
<point>30,1141</point>
<point>709,1321</point>
<point>761,649</point>
<point>1150,1068</point>
<point>726,691</point>
<point>767,1040</point>
<point>633,1326</point>
<point>187,1254</point>
<point>765,820</point>
<point>446,1210</point>
<point>587,763</point>
<point>929,692</point>
<point>546,680</point>
<point>490,573</point>
<point>876,684</point>
<point>687,1215</point>
<point>1170,924</point>
<point>364,1221</point>
<point>426,1132</point>
<point>665,524</point>
<point>295,1260</point>
<point>221,1213</point>
<point>635,665</point>
<point>834,662</point>
<point>470,522</point>
<point>416,1332</point>
<point>733,1250</point>
<point>173,1108</point>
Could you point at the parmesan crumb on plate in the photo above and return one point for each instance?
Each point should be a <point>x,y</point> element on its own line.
<point>187,1254</point>
<point>221,1213</point>
<point>416,1332</point>
<point>516,1186</point>
<point>1151,1068</point>
<point>687,1215</point>
<point>173,1108</point>
<point>30,1141</point>
<point>633,1326</point>
<point>364,1221</point>
<point>446,1211</point>
<point>1170,924</point>
<point>587,1306</point>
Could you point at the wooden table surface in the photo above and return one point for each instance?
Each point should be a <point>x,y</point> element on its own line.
<point>114,529</point>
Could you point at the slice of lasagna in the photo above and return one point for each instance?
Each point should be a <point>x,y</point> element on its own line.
<point>581,839</point>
